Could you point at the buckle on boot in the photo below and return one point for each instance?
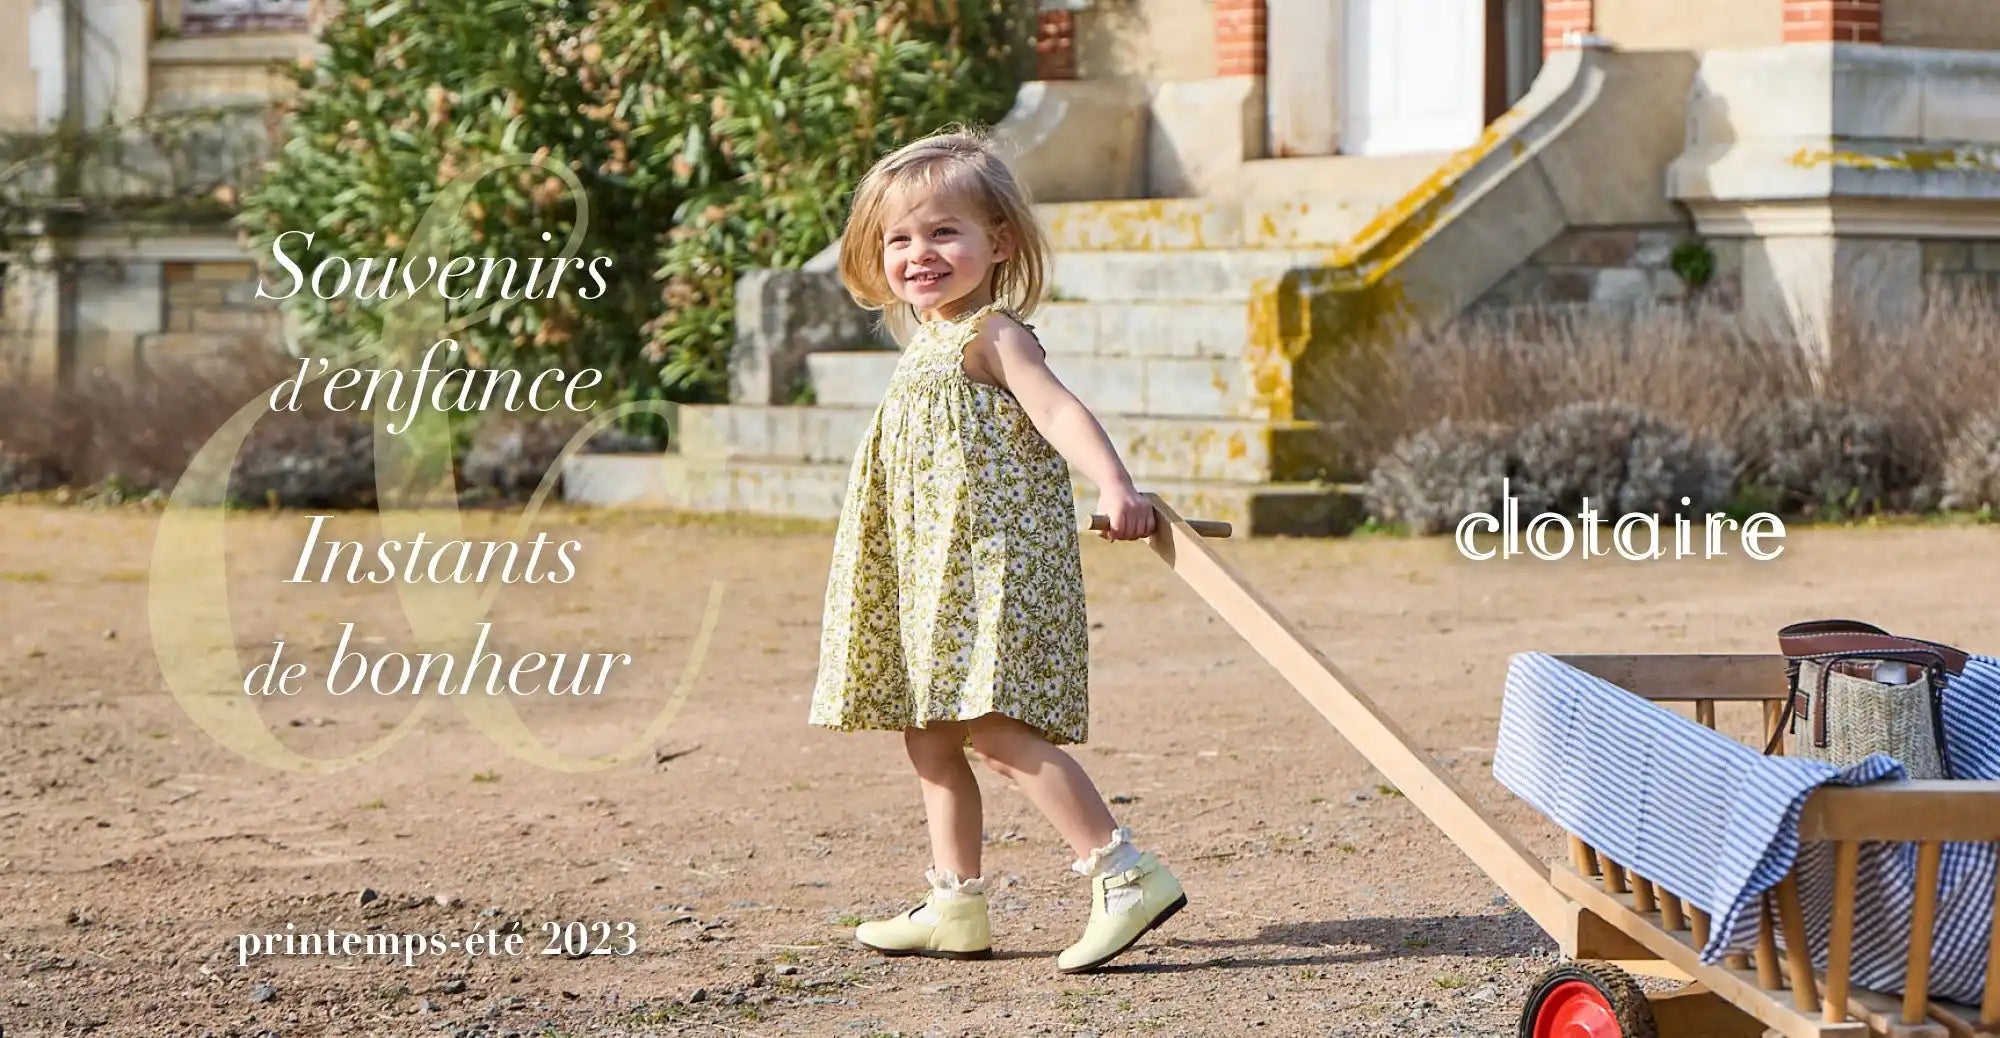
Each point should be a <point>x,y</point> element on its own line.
<point>1129,876</point>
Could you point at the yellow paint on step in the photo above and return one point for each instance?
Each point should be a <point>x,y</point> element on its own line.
<point>1337,316</point>
<point>1402,224</point>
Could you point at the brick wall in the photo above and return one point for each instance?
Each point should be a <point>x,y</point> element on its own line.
<point>1239,37</point>
<point>1562,17</point>
<point>1055,45</point>
<point>1837,21</point>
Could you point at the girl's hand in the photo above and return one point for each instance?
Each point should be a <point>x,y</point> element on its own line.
<point>1130,515</point>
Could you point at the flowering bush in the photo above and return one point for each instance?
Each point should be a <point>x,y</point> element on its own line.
<point>708,136</point>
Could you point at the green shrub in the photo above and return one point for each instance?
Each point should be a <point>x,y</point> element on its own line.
<point>708,136</point>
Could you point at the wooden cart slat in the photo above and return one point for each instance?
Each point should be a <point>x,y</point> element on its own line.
<point>1739,987</point>
<point>1567,902</point>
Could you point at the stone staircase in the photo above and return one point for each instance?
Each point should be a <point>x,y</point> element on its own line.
<point>1149,323</point>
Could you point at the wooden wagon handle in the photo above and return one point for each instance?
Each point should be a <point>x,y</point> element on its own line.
<point>1205,527</point>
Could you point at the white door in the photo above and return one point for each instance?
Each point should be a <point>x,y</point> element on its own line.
<point>1415,75</point>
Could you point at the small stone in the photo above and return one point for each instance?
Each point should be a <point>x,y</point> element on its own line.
<point>735,999</point>
<point>368,894</point>
<point>1121,798</point>
<point>263,993</point>
<point>453,986</point>
<point>425,1005</point>
<point>111,634</point>
<point>490,911</point>
<point>786,970</point>
<point>700,995</point>
<point>447,901</point>
<point>1485,994</point>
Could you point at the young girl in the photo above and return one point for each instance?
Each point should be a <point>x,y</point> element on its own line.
<point>955,602</point>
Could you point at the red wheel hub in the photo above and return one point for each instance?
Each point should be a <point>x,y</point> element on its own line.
<point>1574,1009</point>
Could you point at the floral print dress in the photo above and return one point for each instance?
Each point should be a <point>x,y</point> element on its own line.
<point>956,588</point>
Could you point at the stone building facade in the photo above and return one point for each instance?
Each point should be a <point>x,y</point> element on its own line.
<point>1246,196</point>
<point>118,297</point>
<point>1243,195</point>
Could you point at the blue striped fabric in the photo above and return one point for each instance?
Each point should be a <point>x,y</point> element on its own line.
<point>1716,821</point>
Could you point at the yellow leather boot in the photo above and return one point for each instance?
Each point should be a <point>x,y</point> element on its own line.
<point>1131,894</point>
<point>951,923</point>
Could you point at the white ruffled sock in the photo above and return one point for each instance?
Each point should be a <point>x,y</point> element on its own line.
<point>946,886</point>
<point>1111,859</point>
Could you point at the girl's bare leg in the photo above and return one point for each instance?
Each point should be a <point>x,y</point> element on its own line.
<point>952,810</point>
<point>1053,780</point>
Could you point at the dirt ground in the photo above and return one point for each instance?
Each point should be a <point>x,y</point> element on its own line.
<point>741,847</point>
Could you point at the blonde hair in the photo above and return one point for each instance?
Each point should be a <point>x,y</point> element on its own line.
<point>956,160</point>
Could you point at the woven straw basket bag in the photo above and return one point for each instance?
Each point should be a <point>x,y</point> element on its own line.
<point>1857,690</point>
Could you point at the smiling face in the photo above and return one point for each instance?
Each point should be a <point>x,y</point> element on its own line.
<point>938,252</point>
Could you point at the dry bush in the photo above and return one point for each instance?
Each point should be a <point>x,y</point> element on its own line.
<point>139,432</point>
<point>1971,479</point>
<point>509,455</point>
<point>1925,380</point>
<point>1821,456</point>
<point>1700,368</point>
<point>1709,371</point>
<point>1435,477</point>
<point>136,436</point>
<point>1621,459</point>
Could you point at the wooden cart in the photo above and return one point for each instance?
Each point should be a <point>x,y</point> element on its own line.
<point>1610,923</point>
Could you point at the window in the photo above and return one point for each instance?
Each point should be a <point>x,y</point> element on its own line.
<point>212,16</point>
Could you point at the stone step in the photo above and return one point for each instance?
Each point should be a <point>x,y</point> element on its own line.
<point>1275,204</point>
<point>1362,178</point>
<point>816,490</point>
<point>1149,329</point>
<point>1188,387</point>
<point>851,378</point>
<point>1220,450</point>
<point>1194,276</point>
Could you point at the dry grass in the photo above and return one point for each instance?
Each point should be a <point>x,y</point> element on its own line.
<point>138,434</point>
<point>1707,369</point>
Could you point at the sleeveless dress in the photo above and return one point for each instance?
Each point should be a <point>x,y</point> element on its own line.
<point>956,587</point>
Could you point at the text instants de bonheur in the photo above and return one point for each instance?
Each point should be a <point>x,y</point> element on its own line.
<point>438,383</point>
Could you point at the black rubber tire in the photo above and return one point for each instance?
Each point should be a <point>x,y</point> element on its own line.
<point>1627,998</point>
